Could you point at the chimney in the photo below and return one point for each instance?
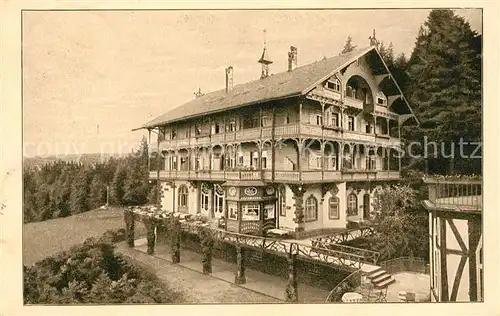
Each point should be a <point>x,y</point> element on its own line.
<point>229,79</point>
<point>292,58</point>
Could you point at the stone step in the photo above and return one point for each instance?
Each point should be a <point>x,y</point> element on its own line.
<point>375,273</point>
<point>381,278</point>
<point>384,283</point>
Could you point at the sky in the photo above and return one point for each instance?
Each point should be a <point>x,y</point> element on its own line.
<point>90,77</point>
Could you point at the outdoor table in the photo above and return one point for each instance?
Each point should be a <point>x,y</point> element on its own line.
<point>352,297</point>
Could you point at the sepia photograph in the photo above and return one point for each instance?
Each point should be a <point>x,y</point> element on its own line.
<point>252,156</point>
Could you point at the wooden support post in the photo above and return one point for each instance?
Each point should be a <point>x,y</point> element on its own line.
<point>474,229</point>
<point>291,291</point>
<point>443,259</point>
<point>150,235</point>
<point>129,227</point>
<point>239,277</point>
<point>207,244</point>
<point>176,246</point>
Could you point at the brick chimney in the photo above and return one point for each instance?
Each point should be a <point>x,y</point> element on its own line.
<point>229,79</point>
<point>292,58</point>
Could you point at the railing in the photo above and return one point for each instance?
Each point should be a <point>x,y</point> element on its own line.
<point>343,236</point>
<point>286,130</point>
<point>281,247</point>
<point>291,176</point>
<point>411,264</point>
<point>348,284</point>
<point>464,194</point>
<point>352,102</point>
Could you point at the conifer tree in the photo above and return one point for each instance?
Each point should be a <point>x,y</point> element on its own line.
<point>348,46</point>
<point>445,87</point>
<point>80,190</point>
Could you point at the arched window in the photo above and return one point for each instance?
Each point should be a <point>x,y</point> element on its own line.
<point>311,213</point>
<point>183,196</point>
<point>352,205</point>
<point>333,207</point>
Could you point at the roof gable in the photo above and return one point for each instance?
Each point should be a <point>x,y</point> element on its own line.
<point>277,86</point>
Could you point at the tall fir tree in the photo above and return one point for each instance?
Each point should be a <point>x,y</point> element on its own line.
<point>445,87</point>
<point>348,46</point>
<point>117,189</point>
<point>80,190</point>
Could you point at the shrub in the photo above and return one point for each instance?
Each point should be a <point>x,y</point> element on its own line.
<point>92,273</point>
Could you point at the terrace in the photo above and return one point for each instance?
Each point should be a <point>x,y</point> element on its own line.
<point>455,194</point>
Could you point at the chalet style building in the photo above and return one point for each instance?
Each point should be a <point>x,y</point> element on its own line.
<point>301,150</point>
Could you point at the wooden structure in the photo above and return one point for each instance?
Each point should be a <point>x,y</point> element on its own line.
<point>455,237</point>
<point>321,136</point>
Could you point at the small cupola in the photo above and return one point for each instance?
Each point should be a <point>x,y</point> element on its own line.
<point>264,60</point>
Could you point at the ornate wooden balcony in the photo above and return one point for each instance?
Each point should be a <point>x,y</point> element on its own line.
<point>280,132</point>
<point>310,176</point>
<point>352,102</point>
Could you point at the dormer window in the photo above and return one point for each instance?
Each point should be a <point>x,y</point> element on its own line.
<point>333,84</point>
<point>381,99</point>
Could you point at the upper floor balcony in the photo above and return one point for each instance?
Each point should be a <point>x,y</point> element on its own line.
<point>279,176</point>
<point>455,194</point>
<point>297,130</point>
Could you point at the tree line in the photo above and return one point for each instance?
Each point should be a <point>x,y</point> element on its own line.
<point>442,83</point>
<point>60,188</point>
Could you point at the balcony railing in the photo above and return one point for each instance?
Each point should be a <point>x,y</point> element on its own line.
<point>306,176</point>
<point>455,194</point>
<point>284,131</point>
<point>352,102</point>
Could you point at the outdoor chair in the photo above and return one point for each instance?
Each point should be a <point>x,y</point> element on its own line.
<point>382,295</point>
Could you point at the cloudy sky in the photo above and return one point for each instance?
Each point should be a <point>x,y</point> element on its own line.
<point>90,77</point>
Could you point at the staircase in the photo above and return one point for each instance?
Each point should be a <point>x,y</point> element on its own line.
<point>380,278</point>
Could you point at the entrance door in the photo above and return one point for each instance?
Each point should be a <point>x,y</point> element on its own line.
<point>366,206</point>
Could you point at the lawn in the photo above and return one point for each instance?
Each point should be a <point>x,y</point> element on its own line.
<point>43,239</point>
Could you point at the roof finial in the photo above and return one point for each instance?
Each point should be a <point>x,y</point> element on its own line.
<point>373,40</point>
<point>199,93</point>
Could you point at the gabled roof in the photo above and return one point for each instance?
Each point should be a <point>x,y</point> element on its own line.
<point>274,87</point>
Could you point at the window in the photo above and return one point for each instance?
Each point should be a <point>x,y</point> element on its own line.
<point>216,128</point>
<point>319,120</point>
<point>269,211</point>
<point>333,84</point>
<point>333,208</point>
<point>197,129</point>
<point>335,119</point>
<point>287,118</point>
<point>232,210</point>
<point>183,196</point>
<point>204,197</point>
<point>368,128</point>
<point>184,163</point>
<point>250,211</point>
<point>219,199</point>
<point>352,204</point>
<point>173,162</point>
<point>314,160</point>
<point>254,159</point>
<point>371,162</point>
<point>332,163</point>
<point>350,123</point>
<point>240,158</point>
<point>173,133</point>
<point>311,213</point>
<point>264,160</point>
<point>231,127</point>
<point>265,122</point>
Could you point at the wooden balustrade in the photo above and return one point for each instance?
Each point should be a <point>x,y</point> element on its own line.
<point>455,193</point>
<point>279,175</point>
